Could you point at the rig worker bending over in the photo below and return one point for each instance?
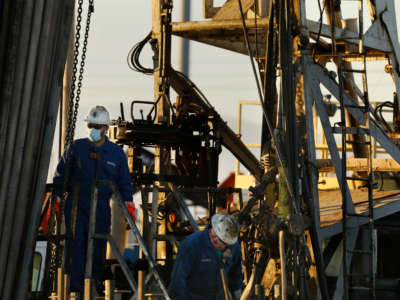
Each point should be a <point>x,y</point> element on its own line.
<point>93,158</point>
<point>197,270</point>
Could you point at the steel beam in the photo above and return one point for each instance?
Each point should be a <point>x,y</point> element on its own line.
<point>326,125</point>
<point>351,242</point>
<point>313,174</point>
<point>349,36</point>
<point>321,76</point>
<point>178,27</point>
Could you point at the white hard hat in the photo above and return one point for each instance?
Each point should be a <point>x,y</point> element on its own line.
<point>98,115</point>
<point>226,227</point>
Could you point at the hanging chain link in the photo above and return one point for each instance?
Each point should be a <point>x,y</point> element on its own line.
<point>81,69</point>
<point>73,106</point>
<point>74,71</point>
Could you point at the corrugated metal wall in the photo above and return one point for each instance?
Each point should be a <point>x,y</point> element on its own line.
<point>33,45</point>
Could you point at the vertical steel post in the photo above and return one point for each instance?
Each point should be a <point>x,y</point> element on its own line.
<point>90,243</point>
<point>109,291</point>
<point>161,34</point>
<point>184,49</point>
<point>154,222</point>
<point>60,284</point>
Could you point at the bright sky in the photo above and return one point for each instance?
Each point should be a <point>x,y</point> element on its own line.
<point>224,77</point>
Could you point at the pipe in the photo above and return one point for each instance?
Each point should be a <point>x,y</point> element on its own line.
<point>283,264</point>
<point>15,171</point>
<point>65,17</point>
<point>184,49</point>
<point>91,234</point>
<point>248,291</point>
<point>224,284</point>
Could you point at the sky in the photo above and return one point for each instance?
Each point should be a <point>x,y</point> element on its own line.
<point>223,76</point>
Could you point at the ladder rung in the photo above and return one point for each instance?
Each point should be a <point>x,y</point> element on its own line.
<point>359,275</point>
<point>360,107</point>
<point>353,71</point>
<point>360,288</point>
<point>351,130</point>
<point>358,142</point>
<point>358,178</point>
<point>357,215</point>
<point>359,251</point>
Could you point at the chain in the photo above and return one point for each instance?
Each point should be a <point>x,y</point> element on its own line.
<point>72,116</point>
<point>73,108</point>
<point>75,70</point>
<point>81,69</point>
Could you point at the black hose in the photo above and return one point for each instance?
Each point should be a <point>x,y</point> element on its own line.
<point>134,54</point>
<point>379,114</point>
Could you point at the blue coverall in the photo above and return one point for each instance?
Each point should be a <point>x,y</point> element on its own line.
<point>196,273</point>
<point>89,162</point>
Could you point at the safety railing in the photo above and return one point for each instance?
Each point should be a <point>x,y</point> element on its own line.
<point>88,288</point>
<point>55,280</point>
<point>59,279</point>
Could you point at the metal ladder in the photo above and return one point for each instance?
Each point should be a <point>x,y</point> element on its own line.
<point>150,221</point>
<point>349,278</point>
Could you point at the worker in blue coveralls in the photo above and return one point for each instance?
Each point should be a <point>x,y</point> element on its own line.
<point>196,273</point>
<point>93,158</point>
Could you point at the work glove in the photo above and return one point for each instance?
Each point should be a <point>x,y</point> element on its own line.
<point>131,208</point>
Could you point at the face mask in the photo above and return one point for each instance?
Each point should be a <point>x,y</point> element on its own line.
<point>95,134</point>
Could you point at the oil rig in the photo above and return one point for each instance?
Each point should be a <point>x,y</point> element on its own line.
<point>322,217</point>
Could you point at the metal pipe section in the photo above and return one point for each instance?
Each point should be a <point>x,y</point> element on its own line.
<point>154,223</point>
<point>184,49</point>
<point>224,284</point>
<point>29,96</point>
<point>11,163</point>
<point>283,264</point>
<point>92,230</point>
<point>109,290</point>
<point>248,290</point>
